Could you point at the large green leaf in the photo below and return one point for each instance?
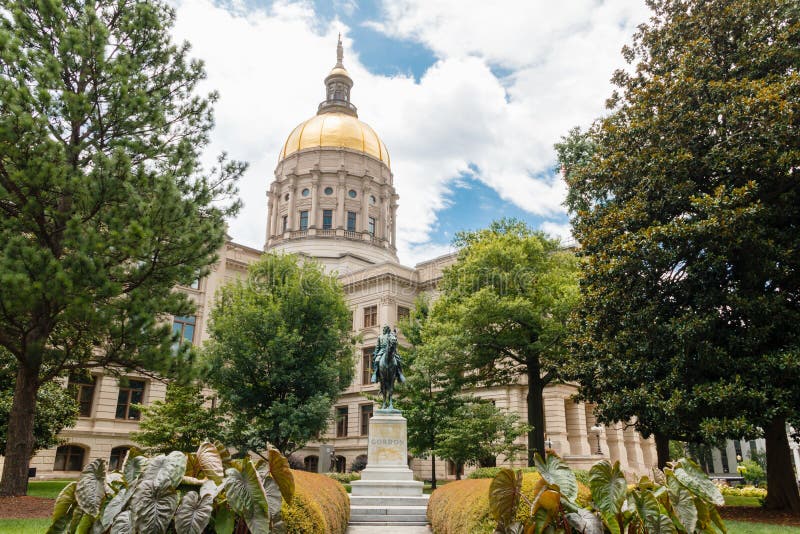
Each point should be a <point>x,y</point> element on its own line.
<point>608,487</point>
<point>114,507</point>
<point>644,506</point>
<point>282,474</point>
<point>274,500</point>
<point>504,492</point>
<point>224,520</point>
<point>122,524</point>
<point>194,513</point>
<point>554,471</point>
<point>246,496</point>
<point>166,471</point>
<point>585,522</point>
<point>695,480</point>
<point>134,466</point>
<point>62,510</point>
<point>153,506</point>
<point>682,503</point>
<point>85,524</point>
<point>90,490</point>
<point>210,461</point>
<point>715,517</point>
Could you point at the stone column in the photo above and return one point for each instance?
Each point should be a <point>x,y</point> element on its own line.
<point>591,421</point>
<point>393,214</point>
<point>313,220</point>
<point>616,446</point>
<point>556,425</point>
<point>635,460</point>
<point>292,194</point>
<point>271,217</point>
<point>363,226</point>
<point>341,220</point>
<point>576,428</point>
<point>649,452</point>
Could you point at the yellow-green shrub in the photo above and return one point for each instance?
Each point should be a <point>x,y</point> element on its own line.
<point>743,491</point>
<point>462,507</point>
<point>320,506</point>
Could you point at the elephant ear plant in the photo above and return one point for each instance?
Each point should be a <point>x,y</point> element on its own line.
<point>682,500</point>
<point>201,492</point>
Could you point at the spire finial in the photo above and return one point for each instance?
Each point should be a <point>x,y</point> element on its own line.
<point>339,52</point>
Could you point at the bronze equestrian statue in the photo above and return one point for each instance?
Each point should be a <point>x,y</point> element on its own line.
<point>387,366</point>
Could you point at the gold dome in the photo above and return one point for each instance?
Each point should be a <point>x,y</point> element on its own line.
<point>336,130</point>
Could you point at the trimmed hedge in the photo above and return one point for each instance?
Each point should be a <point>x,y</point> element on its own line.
<point>491,472</point>
<point>462,507</point>
<point>320,505</point>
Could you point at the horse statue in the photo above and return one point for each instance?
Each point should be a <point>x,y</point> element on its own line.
<point>388,366</point>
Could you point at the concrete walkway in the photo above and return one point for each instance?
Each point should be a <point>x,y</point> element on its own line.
<point>368,529</point>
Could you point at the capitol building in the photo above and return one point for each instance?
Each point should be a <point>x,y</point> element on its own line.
<point>333,199</point>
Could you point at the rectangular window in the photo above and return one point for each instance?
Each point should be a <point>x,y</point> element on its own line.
<point>285,223</point>
<point>370,316</point>
<point>341,422</point>
<point>403,313</point>
<point>351,221</point>
<point>371,227</point>
<point>366,415</point>
<point>84,393</point>
<point>304,220</point>
<point>183,327</point>
<point>133,393</point>
<point>366,365</point>
<point>327,219</point>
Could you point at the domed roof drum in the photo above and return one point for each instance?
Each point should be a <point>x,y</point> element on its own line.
<point>336,130</point>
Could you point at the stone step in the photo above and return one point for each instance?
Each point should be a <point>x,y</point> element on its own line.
<point>364,500</point>
<point>384,488</point>
<point>387,524</point>
<point>388,510</point>
<point>404,519</point>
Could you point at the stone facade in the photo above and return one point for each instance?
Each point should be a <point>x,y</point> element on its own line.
<point>333,200</point>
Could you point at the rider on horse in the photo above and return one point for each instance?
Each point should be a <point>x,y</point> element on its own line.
<point>387,346</point>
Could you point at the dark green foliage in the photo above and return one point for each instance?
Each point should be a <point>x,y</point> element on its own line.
<point>104,206</point>
<point>685,202</point>
<point>280,352</point>
<point>56,411</point>
<point>181,422</point>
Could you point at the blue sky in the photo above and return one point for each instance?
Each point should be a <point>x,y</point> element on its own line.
<point>468,96</point>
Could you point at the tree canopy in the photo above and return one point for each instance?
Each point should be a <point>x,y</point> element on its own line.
<point>503,311</point>
<point>105,205</point>
<point>685,202</point>
<point>280,352</point>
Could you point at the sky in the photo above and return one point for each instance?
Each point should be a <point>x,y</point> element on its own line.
<point>468,96</point>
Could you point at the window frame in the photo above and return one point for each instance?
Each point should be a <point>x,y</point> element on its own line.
<point>303,220</point>
<point>352,221</point>
<point>372,313</point>
<point>120,452</point>
<point>67,453</point>
<point>342,421</point>
<point>185,321</point>
<point>371,226</point>
<point>327,219</point>
<point>130,414</point>
<point>405,314</point>
<point>80,386</point>
<point>364,423</point>
<point>285,223</point>
<point>366,365</point>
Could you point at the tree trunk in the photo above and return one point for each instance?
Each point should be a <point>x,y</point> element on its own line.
<point>535,413</point>
<point>19,448</point>
<point>782,492</point>
<point>433,472</point>
<point>662,449</point>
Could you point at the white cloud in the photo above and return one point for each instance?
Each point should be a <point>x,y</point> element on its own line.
<point>269,65</point>
<point>563,231</point>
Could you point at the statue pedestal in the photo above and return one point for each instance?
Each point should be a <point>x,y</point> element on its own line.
<point>387,492</point>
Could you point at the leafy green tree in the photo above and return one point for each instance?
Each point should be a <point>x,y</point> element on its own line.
<point>430,396</point>
<point>104,204</point>
<point>686,205</point>
<point>181,422</point>
<point>280,352</point>
<point>478,432</point>
<point>503,311</point>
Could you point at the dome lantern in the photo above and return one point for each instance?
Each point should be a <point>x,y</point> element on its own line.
<point>337,87</point>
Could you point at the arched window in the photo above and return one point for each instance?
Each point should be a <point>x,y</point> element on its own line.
<point>69,458</point>
<point>311,463</point>
<point>117,457</point>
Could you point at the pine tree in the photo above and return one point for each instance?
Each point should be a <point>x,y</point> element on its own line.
<point>104,206</point>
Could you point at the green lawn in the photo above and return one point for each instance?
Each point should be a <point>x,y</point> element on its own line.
<point>738,500</point>
<point>46,488</point>
<point>24,526</point>
<point>742,527</point>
